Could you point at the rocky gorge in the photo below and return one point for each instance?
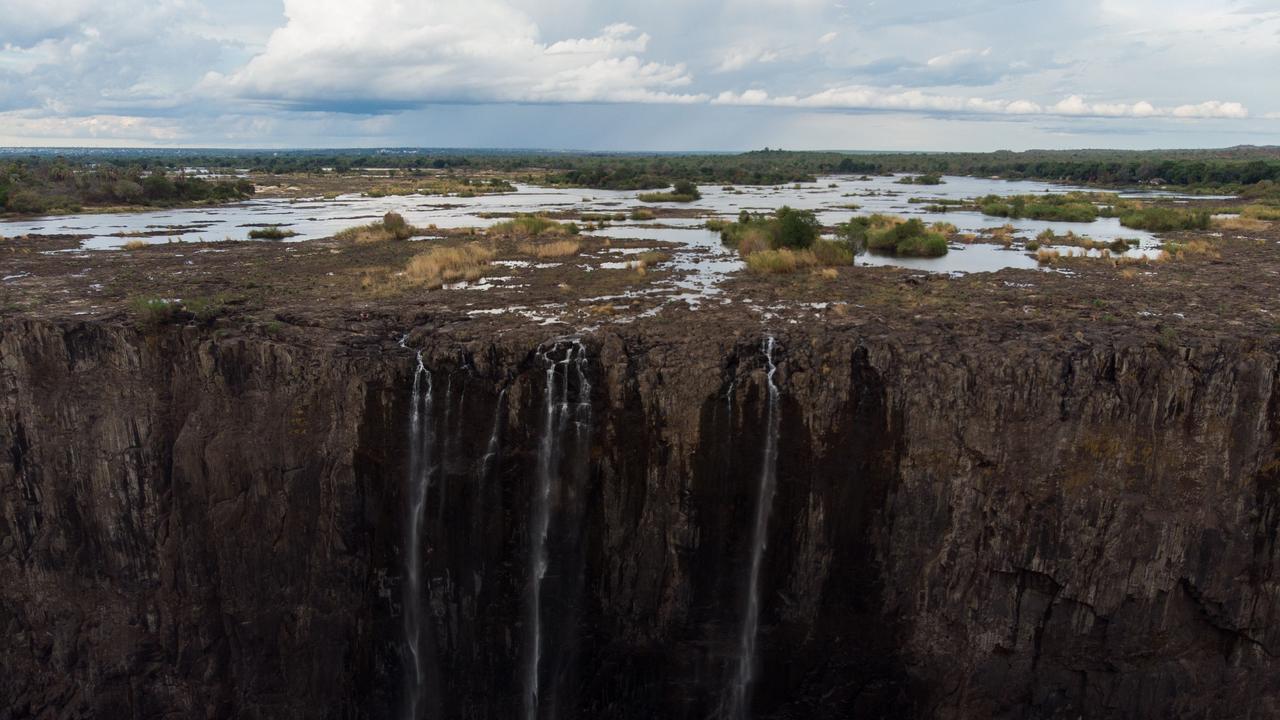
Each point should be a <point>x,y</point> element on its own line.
<point>196,524</point>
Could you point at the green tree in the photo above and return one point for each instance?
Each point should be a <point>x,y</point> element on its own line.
<point>796,229</point>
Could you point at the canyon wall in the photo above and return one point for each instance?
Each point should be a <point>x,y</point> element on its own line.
<point>203,526</point>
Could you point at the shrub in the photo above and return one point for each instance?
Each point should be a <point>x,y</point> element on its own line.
<point>395,225</point>
<point>927,179</point>
<point>134,245</point>
<point>443,265</point>
<point>788,228</point>
<point>907,238</point>
<point>392,227</point>
<point>681,191</point>
<point>273,232</point>
<point>644,214</point>
<point>796,229</point>
<point>928,245</point>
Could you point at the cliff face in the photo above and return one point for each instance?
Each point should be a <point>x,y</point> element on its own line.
<point>195,526</point>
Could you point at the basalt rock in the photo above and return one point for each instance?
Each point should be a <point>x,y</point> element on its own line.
<point>195,526</point>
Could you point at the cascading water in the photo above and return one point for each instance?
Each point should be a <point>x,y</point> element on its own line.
<point>556,415</point>
<point>737,706</point>
<point>420,446</point>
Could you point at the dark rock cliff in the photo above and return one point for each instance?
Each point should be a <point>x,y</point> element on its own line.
<point>202,527</point>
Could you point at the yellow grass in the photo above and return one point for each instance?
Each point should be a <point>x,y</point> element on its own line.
<point>134,245</point>
<point>555,249</point>
<point>1047,256</point>
<point>1240,224</point>
<point>1178,251</point>
<point>829,273</point>
<point>443,265</point>
<point>753,240</point>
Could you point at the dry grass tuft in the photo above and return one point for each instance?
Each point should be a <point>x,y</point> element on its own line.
<point>436,267</point>
<point>1181,250</point>
<point>555,249</point>
<point>828,273</point>
<point>753,240</point>
<point>1047,256</point>
<point>1240,224</point>
<point>134,245</point>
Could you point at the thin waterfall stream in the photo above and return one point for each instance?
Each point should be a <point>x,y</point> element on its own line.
<point>419,480</point>
<point>557,413</point>
<point>738,704</point>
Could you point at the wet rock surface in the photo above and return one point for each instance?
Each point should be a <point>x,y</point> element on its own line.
<point>199,525</point>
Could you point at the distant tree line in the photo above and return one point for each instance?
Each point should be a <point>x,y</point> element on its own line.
<point>59,186</point>
<point>34,181</point>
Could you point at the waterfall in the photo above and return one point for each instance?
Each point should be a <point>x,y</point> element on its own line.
<point>491,449</point>
<point>420,446</point>
<point>738,705</point>
<point>557,413</point>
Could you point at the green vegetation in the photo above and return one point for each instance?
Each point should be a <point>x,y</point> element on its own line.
<point>56,185</point>
<point>273,232</point>
<point>926,179</point>
<point>444,185</point>
<point>1069,207</point>
<point>154,312</point>
<point>681,191</point>
<point>642,214</point>
<point>1159,219</point>
<point>530,226</point>
<point>786,228</point>
<point>885,234</point>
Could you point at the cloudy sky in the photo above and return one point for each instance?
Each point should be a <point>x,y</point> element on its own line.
<point>641,75</point>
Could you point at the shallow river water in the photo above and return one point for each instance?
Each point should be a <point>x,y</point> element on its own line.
<point>829,198</point>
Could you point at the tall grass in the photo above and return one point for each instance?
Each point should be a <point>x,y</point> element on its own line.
<point>780,262</point>
<point>554,249</point>
<point>443,265</point>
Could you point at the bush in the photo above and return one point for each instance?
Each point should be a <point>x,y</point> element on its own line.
<point>646,214</point>
<point>272,232</point>
<point>927,179</point>
<point>796,229</point>
<point>681,191</point>
<point>910,238</point>
<point>788,228</point>
<point>392,227</point>
<point>396,226</point>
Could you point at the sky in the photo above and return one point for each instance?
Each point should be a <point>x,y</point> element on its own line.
<point>660,75</point>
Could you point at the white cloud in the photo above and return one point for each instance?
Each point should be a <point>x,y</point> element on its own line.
<point>365,52</point>
<point>740,57</point>
<point>827,38</point>
<point>27,125</point>
<point>860,97</point>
